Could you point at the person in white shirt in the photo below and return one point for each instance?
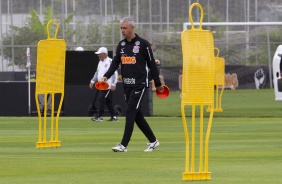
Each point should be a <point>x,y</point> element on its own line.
<point>105,96</point>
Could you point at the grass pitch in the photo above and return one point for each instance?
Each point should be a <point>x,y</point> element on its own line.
<point>245,146</point>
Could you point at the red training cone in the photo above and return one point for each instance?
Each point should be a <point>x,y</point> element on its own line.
<point>163,94</point>
<point>101,85</point>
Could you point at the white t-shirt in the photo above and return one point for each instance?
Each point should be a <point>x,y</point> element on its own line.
<point>102,68</point>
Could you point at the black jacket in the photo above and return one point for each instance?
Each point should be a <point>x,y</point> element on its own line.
<point>136,59</point>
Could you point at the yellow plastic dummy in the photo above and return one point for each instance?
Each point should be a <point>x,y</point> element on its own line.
<point>219,82</point>
<point>197,90</point>
<point>50,79</point>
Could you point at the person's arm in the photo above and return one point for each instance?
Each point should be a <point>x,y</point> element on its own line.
<point>114,66</point>
<point>152,65</point>
<point>115,78</point>
<point>93,80</point>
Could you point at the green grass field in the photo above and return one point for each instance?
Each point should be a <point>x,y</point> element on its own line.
<point>245,146</point>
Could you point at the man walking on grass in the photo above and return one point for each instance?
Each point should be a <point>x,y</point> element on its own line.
<point>135,56</point>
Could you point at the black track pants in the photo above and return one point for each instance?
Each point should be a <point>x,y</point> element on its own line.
<point>134,97</point>
<point>106,98</point>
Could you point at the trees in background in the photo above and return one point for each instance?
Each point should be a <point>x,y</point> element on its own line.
<point>16,41</point>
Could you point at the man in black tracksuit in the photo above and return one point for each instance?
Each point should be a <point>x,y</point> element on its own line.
<point>135,56</point>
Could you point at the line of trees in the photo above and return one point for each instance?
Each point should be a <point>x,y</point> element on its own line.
<point>16,41</point>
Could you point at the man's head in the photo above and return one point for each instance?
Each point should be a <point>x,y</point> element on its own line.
<point>102,53</point>
<point>127,28</point>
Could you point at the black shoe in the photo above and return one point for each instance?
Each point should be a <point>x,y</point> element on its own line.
<point>100,119</point>
<point>114,118</point>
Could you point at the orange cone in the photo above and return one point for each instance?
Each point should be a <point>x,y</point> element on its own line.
<point>163,94</point>
<point>101,85</point>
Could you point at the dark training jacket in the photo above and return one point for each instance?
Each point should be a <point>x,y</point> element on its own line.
<point>136,60</point>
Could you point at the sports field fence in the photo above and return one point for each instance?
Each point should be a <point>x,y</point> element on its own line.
<point>93,23</point>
